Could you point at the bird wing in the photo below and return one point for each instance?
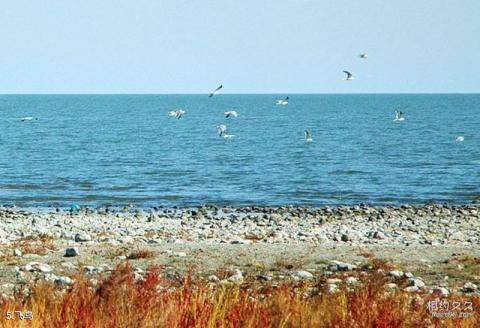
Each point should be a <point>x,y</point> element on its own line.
<point>216,91</point>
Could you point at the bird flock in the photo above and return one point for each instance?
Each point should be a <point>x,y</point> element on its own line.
<point>223,130</point>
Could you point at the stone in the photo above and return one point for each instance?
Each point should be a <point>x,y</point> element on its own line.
<point>17,252</point>
<point>332,288</point>
<point>71,252</point>
<point>81,237</point>
<point>92,270</point>
<point>469,287</point>
<point>45,268</point>
<point>442,291</point>
<point>408,275</point>
<point>391,286</point>
<point>303,275</point>
<point>69,266</point>
<point>178,254</point>
<point>263,277</point>
<point>351,280</point>
<point>341,266</point>
<point>411,289</point>
<point>397,274</point>
<point>63,281</point>
<point>345,237</point>
<point>378,235</point>
<point>236,277</point>
<point>416,282</point>
<point>213,278</point>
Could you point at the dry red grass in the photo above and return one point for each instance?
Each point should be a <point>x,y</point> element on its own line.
<point>141,254</point>
<point>120,301</point>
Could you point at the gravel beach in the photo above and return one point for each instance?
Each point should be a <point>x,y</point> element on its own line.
<point>422,248</point>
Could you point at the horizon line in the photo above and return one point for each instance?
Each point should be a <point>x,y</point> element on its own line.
<point>236,94</point>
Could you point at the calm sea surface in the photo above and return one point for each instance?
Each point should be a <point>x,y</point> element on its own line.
<point>122,149</point>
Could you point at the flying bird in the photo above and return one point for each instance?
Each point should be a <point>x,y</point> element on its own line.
<point>231,113</point>
<point>222,132</point>
<point>176,113</point>
<point>459,138</point>
<point>308,136</point>
<point>282,102</point>
<point>349,76</point>
<point>399,116</point>
<point>363,56</point>
<point>216,91</point>
<point>222,129</point>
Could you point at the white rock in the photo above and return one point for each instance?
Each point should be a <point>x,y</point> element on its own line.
<point>469,287</point>
<point>42,267</point>
<point>81,237</point>
<point>332,288</point>
<point>391,286</point>
<point>28,267</point>
<point>236,277</point>
<point>411,289</point>
<point>69,266</point>
<point>92,270</point>
<point>303,275</point>
<point>351,280</point>
<point>178,254</point>
<point>408,275</point>
<point>213,278</point>
<point>63,281</point>
<point>50,277</point>
<point>341,266</point>
<point>17,252</point>
<point>416,282</point>
<point>397,274</point>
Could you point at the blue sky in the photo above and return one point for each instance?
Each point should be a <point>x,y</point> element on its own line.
<point>263,46</point>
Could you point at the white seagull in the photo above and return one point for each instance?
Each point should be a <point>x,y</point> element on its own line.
<point>231,113</point>
<point>349,76</point>
<point>363,56</point>
<point>216,91</point>
<point>308,136</point>
<point>27,118</point>
<point>222,129</point>
<point>176,113</point>
<point>222,132</point>
<point>399,116</point>
<point>459,138</point>
<point>282,102</point>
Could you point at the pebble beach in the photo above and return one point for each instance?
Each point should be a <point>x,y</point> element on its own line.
<point>429,248</point>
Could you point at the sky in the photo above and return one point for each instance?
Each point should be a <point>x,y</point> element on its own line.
<point>262,46</point>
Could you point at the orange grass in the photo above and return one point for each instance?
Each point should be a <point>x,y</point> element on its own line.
<point>119,301</point>
<point>141,254</point>
<point>39,245</point>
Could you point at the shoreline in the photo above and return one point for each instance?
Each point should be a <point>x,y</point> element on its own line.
<point>439,243</point>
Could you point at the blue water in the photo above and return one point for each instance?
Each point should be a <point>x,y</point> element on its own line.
<point>125,149</point>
